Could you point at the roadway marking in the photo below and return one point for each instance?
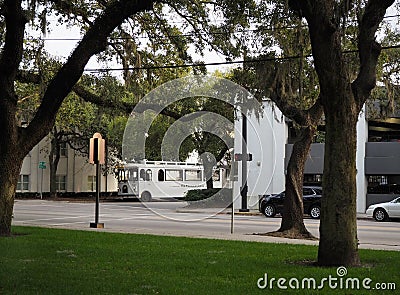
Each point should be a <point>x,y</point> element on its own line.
<point>55,218</point>
<point>378,227</point>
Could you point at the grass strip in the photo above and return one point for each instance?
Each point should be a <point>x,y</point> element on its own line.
<point>55,261</point>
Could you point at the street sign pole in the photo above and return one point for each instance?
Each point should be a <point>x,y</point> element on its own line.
<point>41,184</point>
<point>97,195</point>
<point>233,213</point>
<point>97,157</point>
<point>42,166</point>
<point>244,187</point>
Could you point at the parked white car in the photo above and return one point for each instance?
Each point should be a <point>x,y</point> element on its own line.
<point>384,211</point>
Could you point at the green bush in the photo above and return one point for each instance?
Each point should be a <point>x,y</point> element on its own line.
<point>200,194</point>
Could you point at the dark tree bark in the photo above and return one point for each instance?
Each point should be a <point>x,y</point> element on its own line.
<point>16,142</point>
<point>342,102</point>
<point>292,224</point>
<point>10,155</point>
<point>54,159</point>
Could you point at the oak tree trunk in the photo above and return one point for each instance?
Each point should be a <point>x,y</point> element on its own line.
<point>8,182</point>
<point>342,97</point>
<point>208,173</point>
<point>10,165</point>
<point>338,222</point>
<point>338,226</point>
<point>292,224</point>
<point>54,159</point>
<point>16,142</point>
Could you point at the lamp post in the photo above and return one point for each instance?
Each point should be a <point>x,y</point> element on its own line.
<point>97,157</point>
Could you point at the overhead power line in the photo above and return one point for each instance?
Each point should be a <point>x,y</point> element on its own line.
<point>194,65</point>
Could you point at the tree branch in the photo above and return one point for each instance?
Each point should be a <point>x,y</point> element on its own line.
<point>27,77</point>
<point>94,41</point>
<point>13,46</point>
<point>280,97</point>
<point>125,107</point>
<point>302,7</point>
<point>369,49</point>
<point>68,8</point>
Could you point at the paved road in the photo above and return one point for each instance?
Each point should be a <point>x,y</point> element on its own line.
<point>169,218</point>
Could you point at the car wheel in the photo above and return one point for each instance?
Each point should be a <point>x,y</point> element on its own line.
<point>146,197</point>
<point>380,214</point>
<point>269,210</point>
<point>315,211</point>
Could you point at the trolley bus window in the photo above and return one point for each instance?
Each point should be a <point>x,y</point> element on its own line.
<point>161,175</point>
<point>148,175</point>
<point>121,175</point>
<point>193,175</point>
<point>133,174</point>
<point>216,175</point>
<point>142,174</point>
<point>173,175</point>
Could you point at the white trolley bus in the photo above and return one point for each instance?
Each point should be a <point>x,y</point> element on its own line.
<point>161,179</point>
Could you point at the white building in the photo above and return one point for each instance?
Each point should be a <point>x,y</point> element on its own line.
<point>269,142</point>
<point>74,173</point>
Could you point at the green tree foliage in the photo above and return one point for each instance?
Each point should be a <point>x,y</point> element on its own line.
<point>97,20</point>
<point>338,40</point>
<point>343,95</point>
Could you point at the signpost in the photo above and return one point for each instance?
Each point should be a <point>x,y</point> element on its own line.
<point>97,157</point>
<point>244,188</point>
<point>42,165</point>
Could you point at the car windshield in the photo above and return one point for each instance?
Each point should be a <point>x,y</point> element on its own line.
<point>397,200</point>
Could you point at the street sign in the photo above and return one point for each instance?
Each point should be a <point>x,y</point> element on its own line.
<point>42,165</point>
<point>239,157</point>
<point>97,149</point>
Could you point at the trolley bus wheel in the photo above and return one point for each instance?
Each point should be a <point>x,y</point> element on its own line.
<point>146,197</point>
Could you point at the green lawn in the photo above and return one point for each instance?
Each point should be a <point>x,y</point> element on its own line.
<point>51,261</point>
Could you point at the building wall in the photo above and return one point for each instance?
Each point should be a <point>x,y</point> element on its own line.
<point>74,167</point>
<point>267,141</point>
<point>362,138</point>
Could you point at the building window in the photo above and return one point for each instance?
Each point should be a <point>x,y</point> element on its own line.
<point>377,180</point>
<point>91,183</point>
<point>23,183</point>
<point>312,179</point>
<point>383,184</point>
<point>61,183</point>
<point>63,149</point>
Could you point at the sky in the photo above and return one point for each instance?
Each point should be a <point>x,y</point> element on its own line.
<point>57,45</point>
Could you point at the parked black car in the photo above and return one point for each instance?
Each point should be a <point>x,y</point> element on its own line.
<point>270,205</point>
